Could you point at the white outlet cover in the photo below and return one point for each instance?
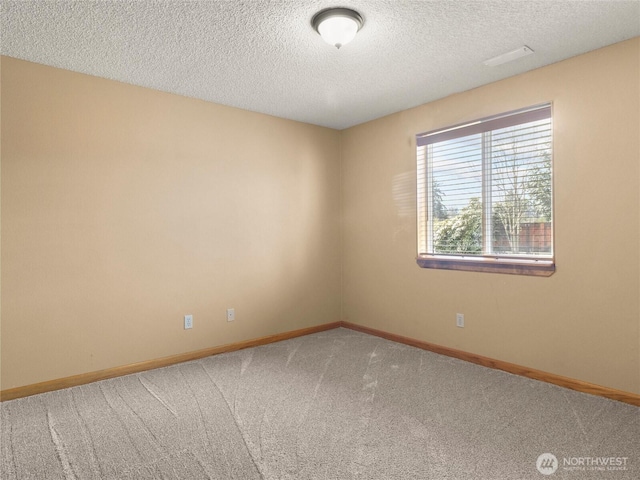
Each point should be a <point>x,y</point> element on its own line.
<point>460,320</point>
<point>231,314</point>
<point>188,322</point>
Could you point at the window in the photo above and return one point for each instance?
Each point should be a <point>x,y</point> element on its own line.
<point>485,195</point>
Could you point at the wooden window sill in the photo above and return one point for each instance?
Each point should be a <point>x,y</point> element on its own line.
<point>541,268</point>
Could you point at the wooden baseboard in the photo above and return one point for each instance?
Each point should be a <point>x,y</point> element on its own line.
<point>578,385</point>
<point>84,378</point>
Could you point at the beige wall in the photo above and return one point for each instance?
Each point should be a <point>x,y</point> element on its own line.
<point>125,208</point>
<point>584,321</point>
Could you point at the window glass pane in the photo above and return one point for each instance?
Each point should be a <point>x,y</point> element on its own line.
<point>521,189</point>
<point>456,175</point>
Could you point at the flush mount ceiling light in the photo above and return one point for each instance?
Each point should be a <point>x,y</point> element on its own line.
<point>337,26</point>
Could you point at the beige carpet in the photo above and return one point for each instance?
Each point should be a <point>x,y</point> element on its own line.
<point>333,405</point>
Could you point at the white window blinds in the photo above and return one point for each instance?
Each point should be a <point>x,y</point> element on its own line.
<point>485,188</point>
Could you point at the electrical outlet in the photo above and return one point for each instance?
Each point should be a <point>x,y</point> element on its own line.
<point>460,320</point>
<point>188,322</point>
<point>231,314</point>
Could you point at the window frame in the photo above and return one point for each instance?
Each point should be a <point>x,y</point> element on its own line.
<point>543,265</point>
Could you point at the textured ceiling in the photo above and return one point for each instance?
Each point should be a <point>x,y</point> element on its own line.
<point>264,56</point>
